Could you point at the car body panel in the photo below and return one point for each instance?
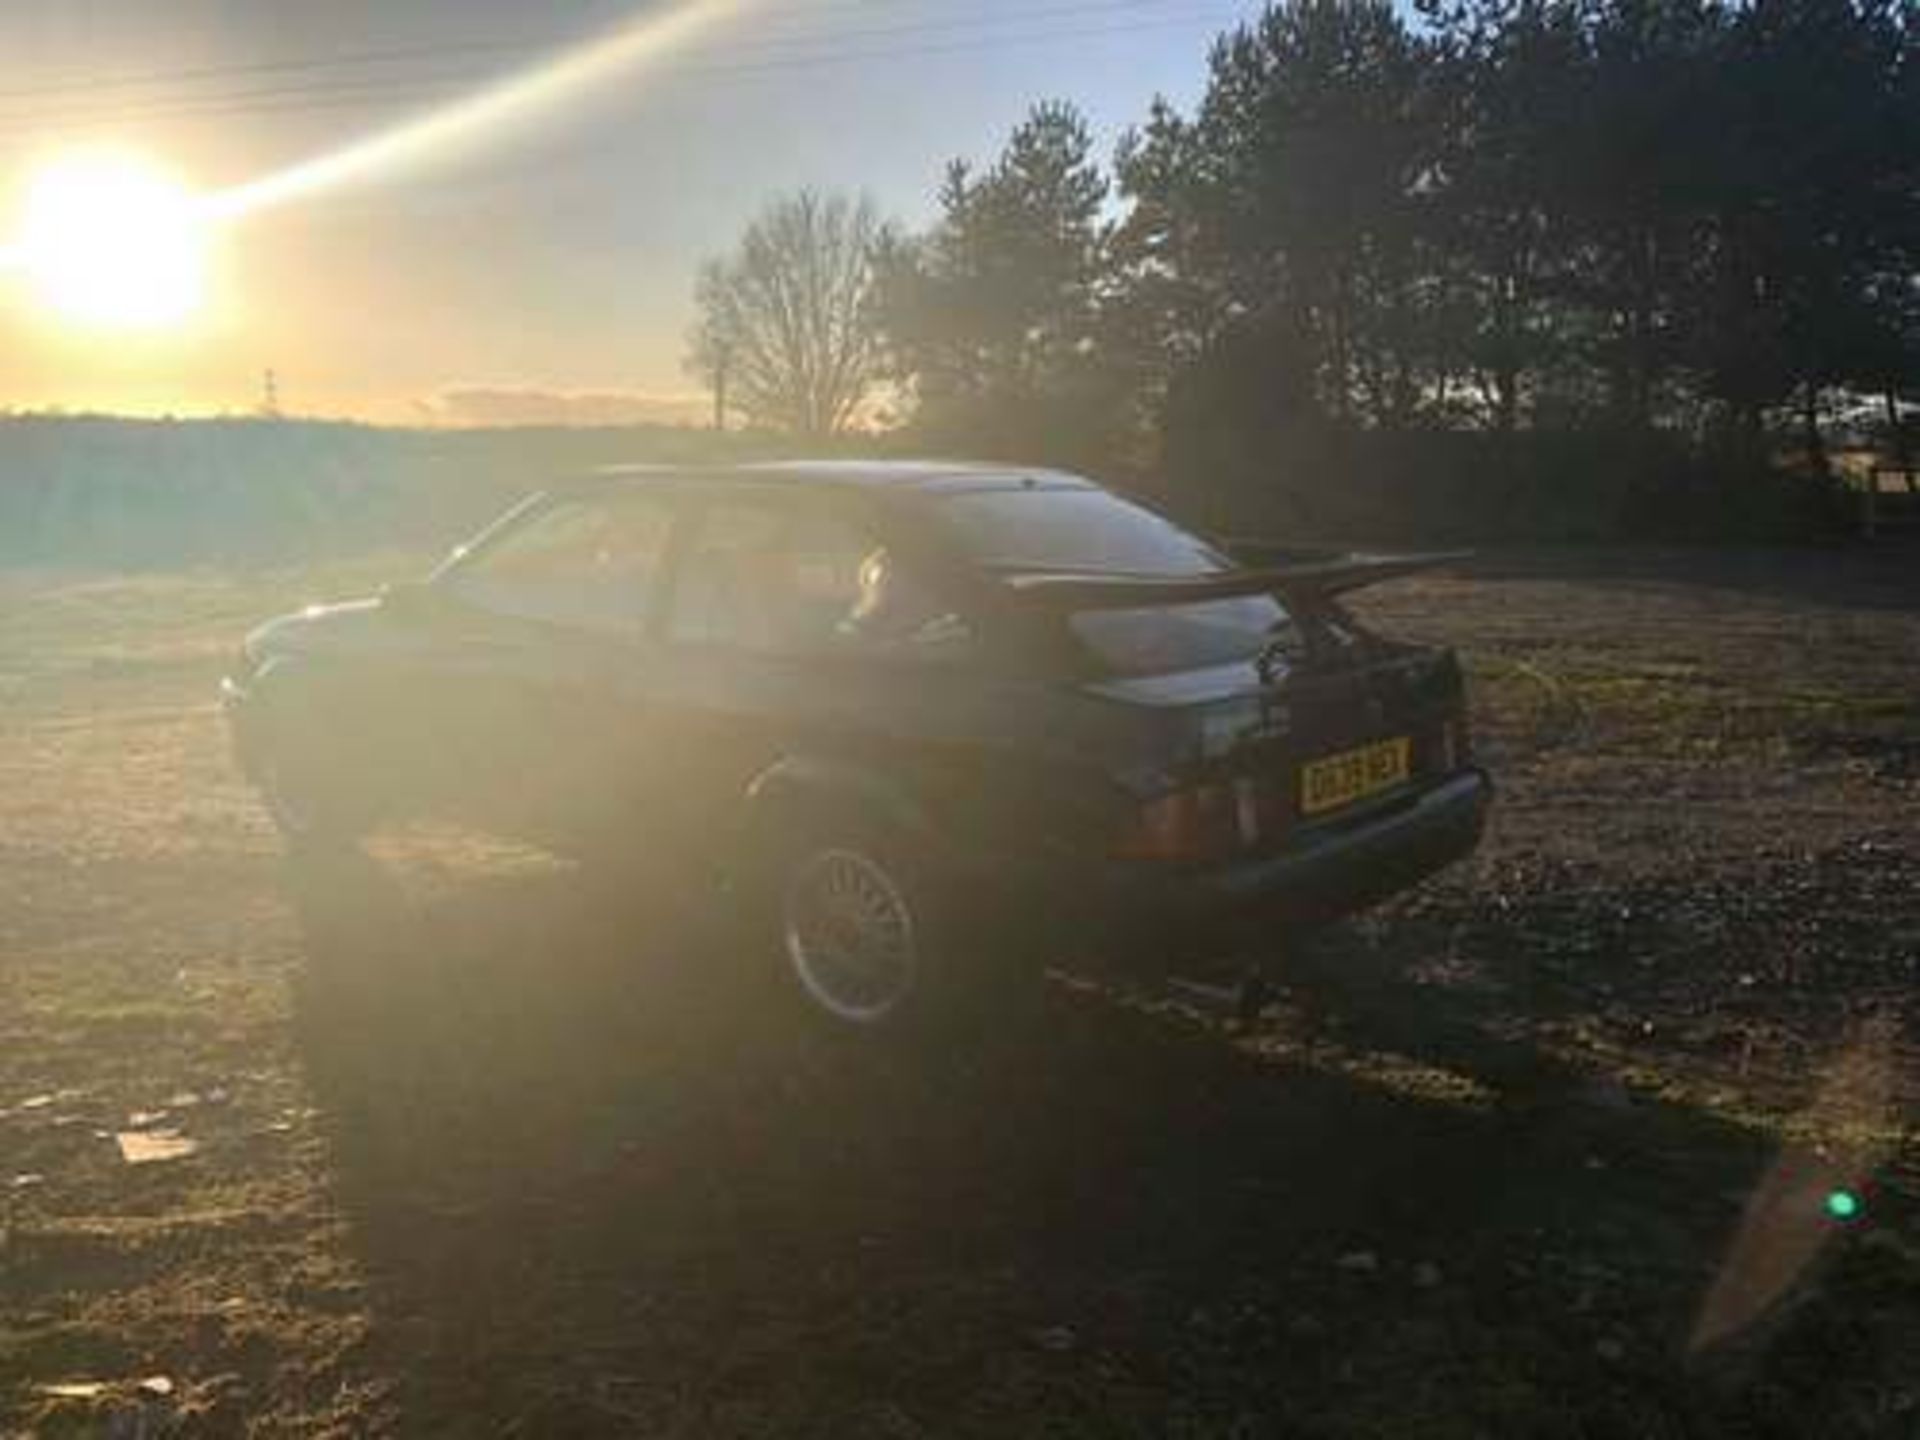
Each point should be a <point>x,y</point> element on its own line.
<point>1014,760</point>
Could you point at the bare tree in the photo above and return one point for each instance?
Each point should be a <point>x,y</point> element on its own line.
<point>785,327</point>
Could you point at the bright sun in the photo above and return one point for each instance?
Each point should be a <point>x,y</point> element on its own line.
<point>111,240</point>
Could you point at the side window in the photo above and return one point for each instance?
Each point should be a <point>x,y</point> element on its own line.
<point>789,580</point>
<point>590,562</point>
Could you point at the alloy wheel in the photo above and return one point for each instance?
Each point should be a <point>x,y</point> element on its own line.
<point>849,936</point>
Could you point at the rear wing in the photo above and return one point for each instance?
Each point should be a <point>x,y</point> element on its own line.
<point>1079,590</point>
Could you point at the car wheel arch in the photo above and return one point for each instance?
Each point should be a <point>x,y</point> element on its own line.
<point>796,789</point>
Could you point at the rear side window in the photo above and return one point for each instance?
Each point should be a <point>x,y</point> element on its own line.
<point>1153,640</point>
<point>1056,528</point>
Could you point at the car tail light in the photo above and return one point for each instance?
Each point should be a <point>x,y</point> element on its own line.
<point>1202,822</point>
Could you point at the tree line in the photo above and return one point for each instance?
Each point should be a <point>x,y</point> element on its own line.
<point>1559,263</point>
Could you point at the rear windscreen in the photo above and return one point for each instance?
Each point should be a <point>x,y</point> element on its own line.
<point>1057,528</point>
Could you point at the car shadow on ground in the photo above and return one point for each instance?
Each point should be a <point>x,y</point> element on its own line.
<point>601,1182</point>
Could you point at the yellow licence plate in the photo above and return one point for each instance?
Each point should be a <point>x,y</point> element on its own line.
<point>1336,780</point>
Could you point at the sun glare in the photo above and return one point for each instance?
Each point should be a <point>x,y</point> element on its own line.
<point>108,240</point>
<point>111,240</point>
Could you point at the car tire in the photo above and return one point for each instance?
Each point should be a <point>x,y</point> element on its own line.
<point>869,938</point>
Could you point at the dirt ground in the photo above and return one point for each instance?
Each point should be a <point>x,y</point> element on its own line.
<point>458,1142</point>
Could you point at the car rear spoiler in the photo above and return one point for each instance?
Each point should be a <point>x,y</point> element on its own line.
<point>1077,590</point>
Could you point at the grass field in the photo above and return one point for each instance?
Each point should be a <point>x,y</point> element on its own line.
<point>478,1147</point>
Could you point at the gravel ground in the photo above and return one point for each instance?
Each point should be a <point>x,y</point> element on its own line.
<point>453,1142</point>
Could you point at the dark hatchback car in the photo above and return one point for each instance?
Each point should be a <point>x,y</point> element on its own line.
<point>910,715</point>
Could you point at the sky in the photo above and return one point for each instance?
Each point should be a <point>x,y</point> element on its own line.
<point>536,268</point>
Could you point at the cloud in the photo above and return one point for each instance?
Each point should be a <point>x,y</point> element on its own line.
<point>483,405</point>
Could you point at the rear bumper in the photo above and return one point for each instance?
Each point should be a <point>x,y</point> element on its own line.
<point>1350,868</point>
<point>1336,872</point>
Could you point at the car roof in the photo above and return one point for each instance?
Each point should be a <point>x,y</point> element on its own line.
<point>928,476</point>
